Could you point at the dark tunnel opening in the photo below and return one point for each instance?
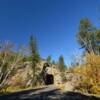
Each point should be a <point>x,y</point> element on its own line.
<point>49,79</point>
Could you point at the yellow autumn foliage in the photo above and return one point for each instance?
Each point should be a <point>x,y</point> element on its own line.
<point>91,71</point>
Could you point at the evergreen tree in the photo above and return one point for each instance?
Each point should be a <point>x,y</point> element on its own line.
<point>53,62</point>
<point>61,63</point>
<point>34,54</point>
<point>88,36</point>
<point>49,59</point>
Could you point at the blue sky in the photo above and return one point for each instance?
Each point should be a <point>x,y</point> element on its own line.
<point>53,22</point>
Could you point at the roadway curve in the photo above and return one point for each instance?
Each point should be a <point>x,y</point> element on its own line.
<point>46,93</point>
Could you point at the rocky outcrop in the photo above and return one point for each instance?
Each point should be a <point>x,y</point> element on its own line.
<point>24,74</point>
<point>46,73</point>
<point>72,81</point>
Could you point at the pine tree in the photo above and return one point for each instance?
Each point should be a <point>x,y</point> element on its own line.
<point>88,36</point>
<point>61,63</point>
<point>35,57</point>
<point>53,62</point>
<point>49,59</point>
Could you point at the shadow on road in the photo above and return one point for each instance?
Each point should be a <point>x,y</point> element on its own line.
<point>55,94</point>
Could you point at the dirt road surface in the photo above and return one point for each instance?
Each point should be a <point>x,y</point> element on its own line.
<point>46,93</point>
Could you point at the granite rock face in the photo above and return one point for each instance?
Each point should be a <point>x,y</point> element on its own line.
<point>24,74</point>
<point>45,72</point>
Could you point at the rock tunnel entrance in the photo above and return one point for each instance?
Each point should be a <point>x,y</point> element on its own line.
<point>49,79</point>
